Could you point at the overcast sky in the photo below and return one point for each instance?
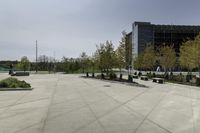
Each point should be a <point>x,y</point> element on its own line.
<point>69,27</point>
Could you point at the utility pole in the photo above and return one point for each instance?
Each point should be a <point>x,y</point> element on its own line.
<point>36,63</point>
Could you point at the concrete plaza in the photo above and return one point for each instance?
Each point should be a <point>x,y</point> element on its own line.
<point>70,104</point>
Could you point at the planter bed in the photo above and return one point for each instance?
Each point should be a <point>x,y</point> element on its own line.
<point>122,81</point>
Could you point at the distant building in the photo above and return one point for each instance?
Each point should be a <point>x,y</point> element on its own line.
<point>128,48</point>
<point>145,33</point>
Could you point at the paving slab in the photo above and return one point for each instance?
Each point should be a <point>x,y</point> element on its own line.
<point>62,103</point>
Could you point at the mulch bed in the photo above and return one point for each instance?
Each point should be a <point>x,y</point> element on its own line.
<point>117,80</point>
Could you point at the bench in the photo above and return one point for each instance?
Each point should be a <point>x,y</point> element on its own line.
<point>144,78</point>
<point>21,74</point>
<point>158,80</point>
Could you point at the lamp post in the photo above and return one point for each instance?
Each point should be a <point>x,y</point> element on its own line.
<point>36,56</point>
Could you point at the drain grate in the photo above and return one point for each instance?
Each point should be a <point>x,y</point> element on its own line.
<point>107,86</point>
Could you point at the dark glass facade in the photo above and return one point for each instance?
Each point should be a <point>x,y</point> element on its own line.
<point>145,33</point>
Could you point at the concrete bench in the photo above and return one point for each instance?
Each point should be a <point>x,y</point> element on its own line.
<point>158,80</point>
<point>144,78</point>
<point>21,74</point>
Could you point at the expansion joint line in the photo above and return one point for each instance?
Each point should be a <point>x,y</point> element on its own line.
<point>146,117</point>
<point>124,104</point>
<point>96,118</point>
<point>52,97</point>
<point>15,103</point>
<point>191,104</point>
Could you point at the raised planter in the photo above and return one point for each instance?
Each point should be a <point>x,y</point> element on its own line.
<point>16,89</point>
<point>158,80</point>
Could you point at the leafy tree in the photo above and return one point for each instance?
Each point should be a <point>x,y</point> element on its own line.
<point>190,54</point>
<point>43,62</point>
<point>197,52</point>
<point>84,61</point>
<point>106,56</point>
<point>71,65</point>
<point>187,56</point>
<point>167,57</point>
<point>24,63</point>
<point>149,58</point>
<point>138,61</point>
<point>93,62</point>
<point>121,56</point>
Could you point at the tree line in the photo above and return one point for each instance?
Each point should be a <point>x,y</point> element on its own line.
<point>106,57</point>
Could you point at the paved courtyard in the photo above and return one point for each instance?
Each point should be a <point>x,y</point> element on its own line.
<point>69,104</point>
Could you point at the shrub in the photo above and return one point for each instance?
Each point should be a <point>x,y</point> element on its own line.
<point>154,75</point>
<point>113,76</point>
<point>198,81</point>
<point>87,74</point>
<point>178,78</point>
<point>188,77</point>
<point>139,74</point>
<point>102,76</point>
<point>13,83</point>
<point>120,77</point>
<point>135,73</point>
<point>93,75</point>
<point>150,75</point>
<point>130,78</point>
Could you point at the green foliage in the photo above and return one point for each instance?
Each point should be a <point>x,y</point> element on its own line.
<point>149,58</point>
<point>84,60</point>
<point>167,57</point>
<point>138,61</point>
<point>106,56</point>
<point>190,54</point>
<point>13,83</point>
<point>187,55</point>
<point>146,60</point>
<point>24,63</point>
<point>113,75</point>
<point>121,53</point>
<point>121,56</point>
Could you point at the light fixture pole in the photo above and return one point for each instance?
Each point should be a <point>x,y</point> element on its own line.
<point>36,63</point>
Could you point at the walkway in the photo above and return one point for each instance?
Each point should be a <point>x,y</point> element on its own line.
<point>69,104</point>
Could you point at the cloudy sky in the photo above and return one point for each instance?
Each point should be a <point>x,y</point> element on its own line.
<point>68,27</point>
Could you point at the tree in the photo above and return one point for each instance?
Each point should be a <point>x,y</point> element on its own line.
<point>121,56</point>
<point>138,61</point>
<point>24,63</point>
<point>190,54</point>
<point>106,56</point>
<point>43,62</point>
<point>149,58</point>
<point>93,62</point>
<point>197,52</point>
<point>84,61</point>
<point>187,57</point>
<point>167,57</point>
